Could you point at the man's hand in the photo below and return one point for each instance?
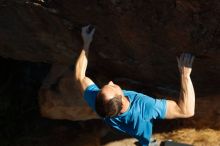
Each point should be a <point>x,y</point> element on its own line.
<point>185,62</point>
<point>87,35</point>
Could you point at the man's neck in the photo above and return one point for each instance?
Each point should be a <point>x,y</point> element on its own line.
<point>125,105</point>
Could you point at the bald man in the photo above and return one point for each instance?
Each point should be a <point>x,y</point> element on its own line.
<point>129,111</point>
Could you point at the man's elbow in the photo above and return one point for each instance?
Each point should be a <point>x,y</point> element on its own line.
<point>189,114</point>
<point>78,77</point>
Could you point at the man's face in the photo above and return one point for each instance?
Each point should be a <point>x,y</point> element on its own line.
<point>111,90</point>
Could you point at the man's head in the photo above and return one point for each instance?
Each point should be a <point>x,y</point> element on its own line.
<point>109,100</point>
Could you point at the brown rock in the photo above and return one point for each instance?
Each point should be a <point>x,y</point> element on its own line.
<point>136,40</point>
<point>30,32</point>
<point>60,97</point>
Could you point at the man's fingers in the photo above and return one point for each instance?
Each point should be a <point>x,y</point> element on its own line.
<point>182,58</point>
<point>191,60</point>
<point>178,60</point>
<point>85,28</point>
<point>188,58</point>
<point>93,31</point>
<point>89,29</point>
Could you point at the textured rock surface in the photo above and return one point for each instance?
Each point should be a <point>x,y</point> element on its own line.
<point>60,98</point>
<point>135,44</point>
<point>30,32</point>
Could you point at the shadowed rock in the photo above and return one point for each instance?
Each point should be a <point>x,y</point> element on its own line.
<point>136,40</point>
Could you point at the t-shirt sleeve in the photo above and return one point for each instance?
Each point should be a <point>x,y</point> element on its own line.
<point>159,109</point>
<point>154,108</point>
<point>90,95</point>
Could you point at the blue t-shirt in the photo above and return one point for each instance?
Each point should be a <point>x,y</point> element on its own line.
<point>137,121</point>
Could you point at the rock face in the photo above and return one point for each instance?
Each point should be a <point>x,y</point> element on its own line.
<point>60,97</point>
<point>135,45</point>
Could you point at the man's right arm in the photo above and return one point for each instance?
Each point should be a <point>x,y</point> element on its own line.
<point>82,61</point>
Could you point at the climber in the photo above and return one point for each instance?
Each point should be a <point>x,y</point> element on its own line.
<point>129,111</point>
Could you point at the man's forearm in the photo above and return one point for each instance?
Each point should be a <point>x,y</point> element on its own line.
<point>187,96</point>
<point>81,63</point>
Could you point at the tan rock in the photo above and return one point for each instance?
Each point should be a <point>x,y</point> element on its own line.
<point>64,101</point>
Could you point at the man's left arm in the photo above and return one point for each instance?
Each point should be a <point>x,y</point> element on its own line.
<point>186,104</point>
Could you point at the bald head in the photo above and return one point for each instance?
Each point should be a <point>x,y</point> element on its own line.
<point>109,100</point>
<point>110,91</point>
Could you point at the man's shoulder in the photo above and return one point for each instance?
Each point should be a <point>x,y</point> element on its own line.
<point>90,94</point>
<point>92,87</point>
<point>134,94</point>
<point>129,92</point>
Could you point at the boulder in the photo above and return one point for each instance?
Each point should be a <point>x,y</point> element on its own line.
<point>135,45</point>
